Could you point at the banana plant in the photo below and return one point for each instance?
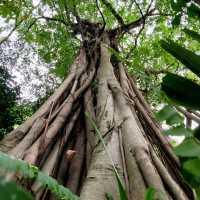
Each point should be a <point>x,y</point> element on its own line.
<point>185,92</point>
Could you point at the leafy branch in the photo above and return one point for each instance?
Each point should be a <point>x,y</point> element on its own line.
<point>31,172</point>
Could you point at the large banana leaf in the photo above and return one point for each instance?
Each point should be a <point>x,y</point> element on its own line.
<point>188,58</point>
<point>182,90</point>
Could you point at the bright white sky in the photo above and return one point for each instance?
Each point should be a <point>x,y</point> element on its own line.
<point>21,75</point>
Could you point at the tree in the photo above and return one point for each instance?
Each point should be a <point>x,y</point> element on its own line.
<point>98,96</point>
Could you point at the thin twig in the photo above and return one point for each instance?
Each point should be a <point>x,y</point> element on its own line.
<point>11,32</point>
<point>104,21</point>
<point>142,28</point>
<point>138,6</point>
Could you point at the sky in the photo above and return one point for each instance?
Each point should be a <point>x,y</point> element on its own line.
<point>26,75</point>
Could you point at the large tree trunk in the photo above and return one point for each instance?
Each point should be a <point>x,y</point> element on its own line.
<point>60,139</point>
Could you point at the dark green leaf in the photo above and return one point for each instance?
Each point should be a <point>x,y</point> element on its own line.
<point>178,131</point>
<point>197,132</point>
<point>29,171</point>
<point>175,119</point>
<point>165,113</point>
<point>193,34</point>
<point>181,90</point>
<point>122,191</point>
<point>170,115</point>
<point>188,58</point>
<point>188,148</point>
<point>150,193</point>
<point>197,190</point>
<point>10,191</point>
<point>192,166</point>
<point>193,11</point>
<point>109,197</point>
<point>177,20</point>
<point>178,5</point>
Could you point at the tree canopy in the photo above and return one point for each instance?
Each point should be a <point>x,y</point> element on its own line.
<point>49,26</point>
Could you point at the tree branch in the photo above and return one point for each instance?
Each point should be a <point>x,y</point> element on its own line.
<point>197,2</point>
<point>188,121</point>
<point>139,8</point>
<point>4,39</point>
<point>196,113</point>
<point>113,11</point>
<point>104,21</point>
<point>54,19</point>
<point>47,19</point>
<point>156,72</point>
<point>134,24</point>
<point>131,25</point>
<point>188,114</point>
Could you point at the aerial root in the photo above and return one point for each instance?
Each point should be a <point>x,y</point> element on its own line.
<point>174,188</point>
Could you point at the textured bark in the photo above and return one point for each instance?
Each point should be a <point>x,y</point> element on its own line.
<point>61,140</point>
<point>100,176</point>
<point>13,138</point>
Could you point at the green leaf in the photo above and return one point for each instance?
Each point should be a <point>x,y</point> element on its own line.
<point>122,191</point>
<point>192,166</point>
<point>190,147</point>
<point>29,171</point>
<point>177,20</point>
<point>178,5</point>
<point>187,57</point>
<point>178,131</point>
<point>197,190</point>
<point>193,11</point>
<point>165,113</point>
<point>193,34</point>
<point>181,90</point>
<point>170,115</point>
<point>109,196</point>
<point>175,119</point>
<point>197,132</point>
<point>10,190</point>
<point>150,193</point>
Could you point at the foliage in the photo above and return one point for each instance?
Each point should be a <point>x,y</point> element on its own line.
<point>31,172</point>
<point>169,115</point>
<point>180,7</point>
<point>188,150</point>
<point>178,131</point>
<point>11,112</point>
<point>7,102</point>
<point>122,191</point>
<point>192,166</point>
<point>182,90</point>
<point>188,58</point>
<point>11,191</point>
<point>150,194</point>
